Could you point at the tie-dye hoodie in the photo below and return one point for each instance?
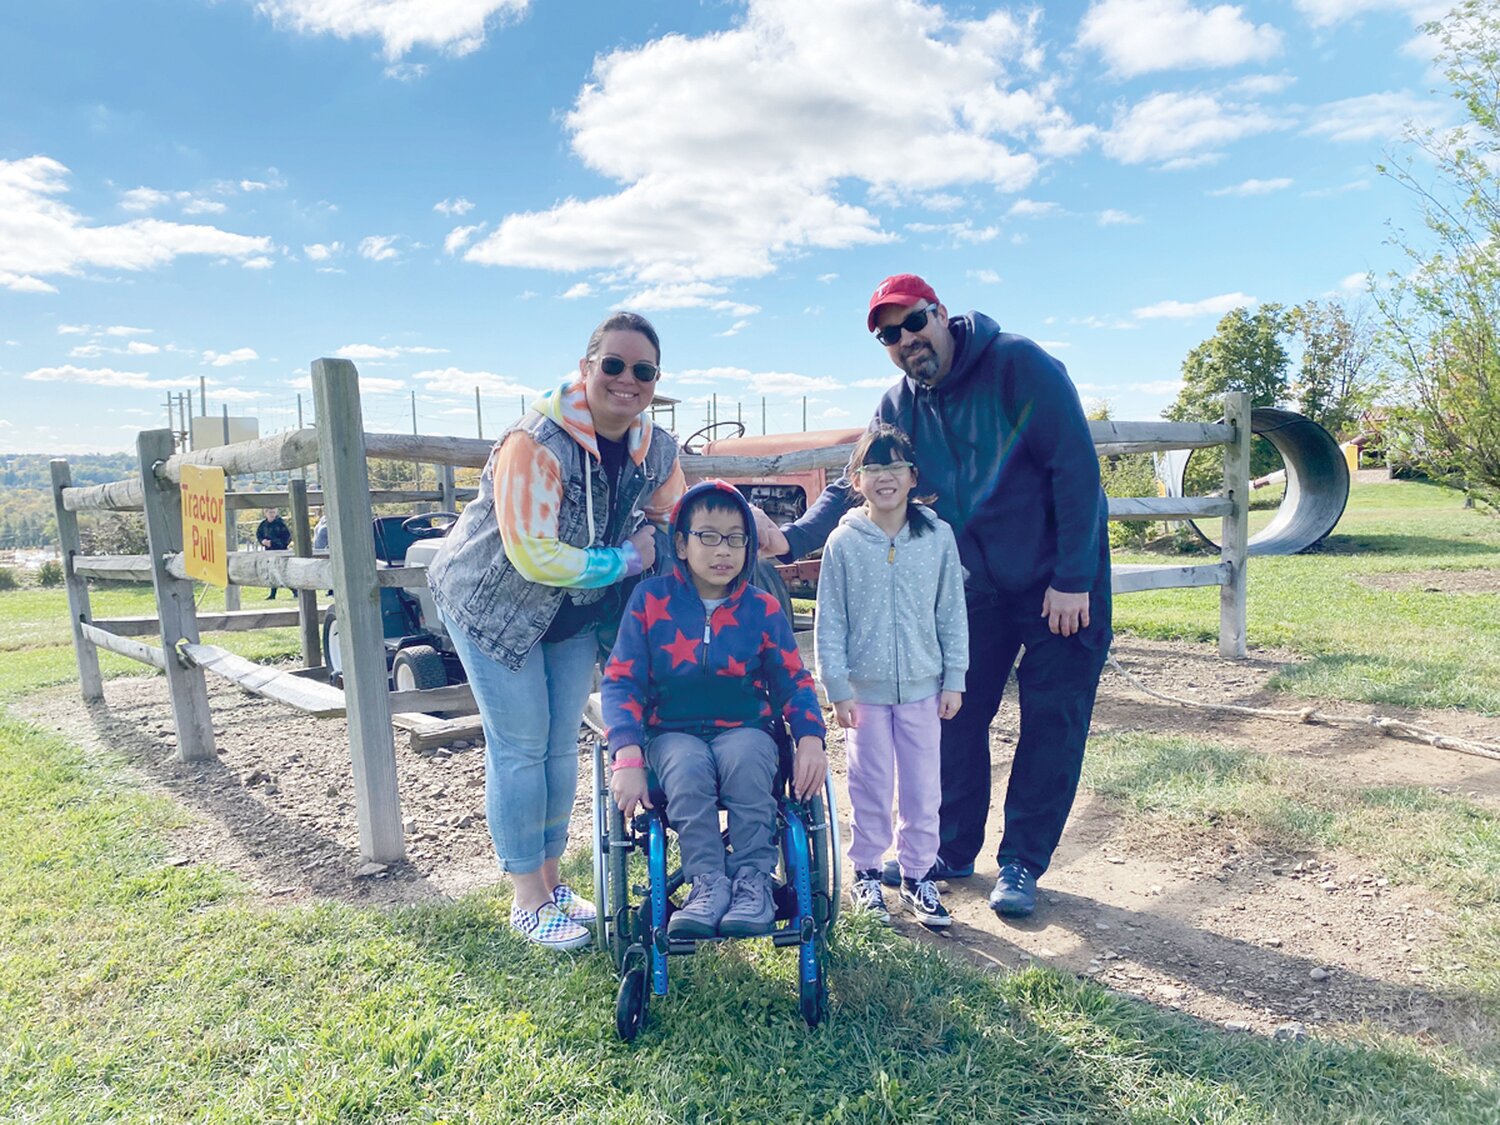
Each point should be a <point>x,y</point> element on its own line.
<point>675,668</point>
<point>530,496</point>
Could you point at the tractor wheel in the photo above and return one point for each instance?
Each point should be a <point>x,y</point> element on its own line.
<point>418,668</point>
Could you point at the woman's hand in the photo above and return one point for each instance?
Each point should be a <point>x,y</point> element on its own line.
<point>844,712</point>
<point>809,765</point>
<point>628,786</point>
<point>644,542</point>
<point>948,703</point>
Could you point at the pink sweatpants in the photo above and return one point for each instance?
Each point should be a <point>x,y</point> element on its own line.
<point>893,752</point>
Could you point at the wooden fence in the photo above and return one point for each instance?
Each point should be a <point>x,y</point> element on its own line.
<point>341,447</point>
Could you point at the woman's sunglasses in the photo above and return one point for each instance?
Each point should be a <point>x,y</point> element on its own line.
<point>914,323</point>
<point>644,372</point>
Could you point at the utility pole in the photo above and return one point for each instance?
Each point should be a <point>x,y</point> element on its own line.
<point>189,435</point>
<point>203,395</point>
<point>713,419</point>
<point>804,414</point>
<point>416,466</point>
<point>478,415</point>
<point>763,415</point>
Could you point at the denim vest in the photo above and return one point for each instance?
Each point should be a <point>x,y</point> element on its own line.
<point>473,581</point>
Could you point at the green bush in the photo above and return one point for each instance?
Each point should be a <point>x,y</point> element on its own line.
<point>51,574</point>
<point>8,579</point>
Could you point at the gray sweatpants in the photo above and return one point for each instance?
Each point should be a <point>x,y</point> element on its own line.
<point>736,769</point>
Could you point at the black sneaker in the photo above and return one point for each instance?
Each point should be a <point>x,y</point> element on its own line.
<point>890,875</point>
<point>921,896</point>
<point>1014,895</point>
<point>867,896</point>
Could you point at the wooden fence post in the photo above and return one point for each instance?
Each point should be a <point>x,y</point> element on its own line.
<point>307,600</point>
<point>449,502</point>
<point>1236,529</point>
<point>346,502</point>
<point>174,601</point>
<point>89,678</point>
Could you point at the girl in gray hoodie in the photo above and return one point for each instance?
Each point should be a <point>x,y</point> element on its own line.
<point>892,642</point>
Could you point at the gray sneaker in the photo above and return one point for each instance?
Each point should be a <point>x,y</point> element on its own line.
<point>706,903</point>
<point>751,912</point>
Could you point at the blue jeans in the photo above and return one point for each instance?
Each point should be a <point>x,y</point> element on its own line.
<point>531,718</point>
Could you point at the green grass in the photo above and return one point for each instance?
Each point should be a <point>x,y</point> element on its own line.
<point>1412,835</point>
<point>133,990</point>
<point>36,641</point>
<point>1405,648</point>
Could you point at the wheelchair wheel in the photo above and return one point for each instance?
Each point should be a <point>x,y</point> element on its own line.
<point>617,876</point>
<point>812,994</point>
<point>631,1004</point>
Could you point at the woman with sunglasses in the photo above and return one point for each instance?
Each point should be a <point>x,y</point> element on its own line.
<point>531,582</point>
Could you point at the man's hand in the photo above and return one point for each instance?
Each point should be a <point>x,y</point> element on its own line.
<point>1066,614</point>
<point>266,543</point>
<point>809,766</point>
<point>844,712</point>
<point>645,543</point>
<point>628,786</point>
<point>948,703</point>
<point>772,541</point>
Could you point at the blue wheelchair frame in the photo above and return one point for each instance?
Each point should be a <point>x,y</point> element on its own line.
<point>635,933</point>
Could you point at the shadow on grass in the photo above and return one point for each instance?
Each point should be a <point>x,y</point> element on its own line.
<point>1425,547</point>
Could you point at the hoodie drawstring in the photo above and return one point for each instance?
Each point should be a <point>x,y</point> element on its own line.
<point>588,493</point>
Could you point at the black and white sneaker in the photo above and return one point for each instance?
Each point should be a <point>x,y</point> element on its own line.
<point>867,896</point>
<point>921,896</point>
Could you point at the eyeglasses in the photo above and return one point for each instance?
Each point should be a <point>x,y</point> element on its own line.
<point>644,372</point>
<point>892,467</point>
<point>914,323</point>
<point>735,539</point>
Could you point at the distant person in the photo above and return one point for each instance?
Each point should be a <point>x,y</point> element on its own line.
<point>531,581</point>
<point>892,641</point>
<point>1000,438</point>
<point>272,534</point>
<point>704,671</point>
<point>320,533</point>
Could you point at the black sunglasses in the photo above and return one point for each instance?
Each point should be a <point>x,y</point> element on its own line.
<point>644,372</point>
<point>914,323</point>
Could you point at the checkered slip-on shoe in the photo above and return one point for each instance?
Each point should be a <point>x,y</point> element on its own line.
<point>549,927</point>
<point>574,905</point>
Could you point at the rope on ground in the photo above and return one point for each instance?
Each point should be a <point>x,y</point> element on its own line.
<point>1394,728</point>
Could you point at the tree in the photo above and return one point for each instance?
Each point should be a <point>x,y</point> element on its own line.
<point>1245,353</point>
<point>1442,316</point>
<point>1339,375</point>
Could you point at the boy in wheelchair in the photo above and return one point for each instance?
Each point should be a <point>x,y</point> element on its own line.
<point>704,670</point>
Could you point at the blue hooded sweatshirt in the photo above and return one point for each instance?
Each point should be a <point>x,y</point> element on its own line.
<point>675,668</point>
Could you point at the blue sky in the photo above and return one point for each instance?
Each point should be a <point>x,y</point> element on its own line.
<point>453,192</point>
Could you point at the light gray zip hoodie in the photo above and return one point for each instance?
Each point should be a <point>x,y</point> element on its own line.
<point>891,625</point>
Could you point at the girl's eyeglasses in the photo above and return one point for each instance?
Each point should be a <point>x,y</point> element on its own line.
<point>735,539</point>
<point>914,323</point>
<point>644,372</point>
<point>892,467</point>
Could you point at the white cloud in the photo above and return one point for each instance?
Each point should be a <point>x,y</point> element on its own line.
<point>453,380</point>
<point>825,278</point>
<point>260,263</point>
<point>41,236</point>
<point>1112,218</point>
<point>1355,283</point>
<point>878,383</point>
<point>200,206</point>
<point>456,27</point>
<point>73,330</point>
<point>964,233</point>
<point>1254,187</point>
<point>105,377</point>
<point>1324,13</point>
<point>984,277</point>
<point>144,199</point>
<point>322,251</point>
<point>687,295</point>
<point>789,383</point>
<point>1372,117</point>
<point>574,292</point>
<point>732,149</point>
<point>126,330</point>
<point>224,359</point>
<point>459,237</point>
<point>459,206</point>
<point>1178,310</point>
<point>1032,209</point>
<point>405,71</point>
<point>140,347</point>
<point>734,329</point>
<point>378,248</point>
<point>4,425</point>
<point>1173,125</point>
<point>236,394</point>
<point>1140,36</point>
<point>1341,189</point>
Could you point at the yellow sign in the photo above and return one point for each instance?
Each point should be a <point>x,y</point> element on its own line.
<point>204,543</point>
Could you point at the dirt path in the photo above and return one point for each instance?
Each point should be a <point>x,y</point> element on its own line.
<point>1203,922</point>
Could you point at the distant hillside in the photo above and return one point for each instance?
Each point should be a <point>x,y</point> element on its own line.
<point>33,470</point>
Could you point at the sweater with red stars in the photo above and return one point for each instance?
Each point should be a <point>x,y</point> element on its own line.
<point>675,667</point>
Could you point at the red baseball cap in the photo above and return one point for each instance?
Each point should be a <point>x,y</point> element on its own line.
<point>899,289</point>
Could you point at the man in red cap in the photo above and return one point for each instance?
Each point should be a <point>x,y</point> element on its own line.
<point>1001,439</point>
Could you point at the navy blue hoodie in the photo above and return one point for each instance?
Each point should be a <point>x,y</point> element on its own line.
<point>1003,443</point>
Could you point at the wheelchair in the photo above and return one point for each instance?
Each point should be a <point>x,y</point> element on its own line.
<point>633,913</point>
